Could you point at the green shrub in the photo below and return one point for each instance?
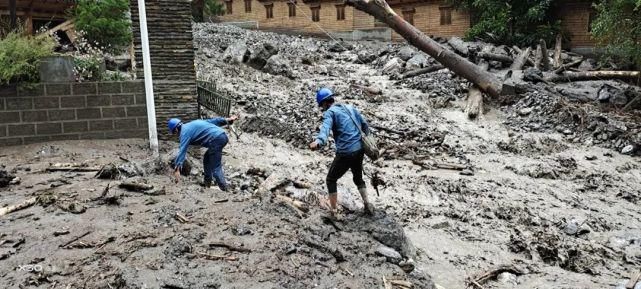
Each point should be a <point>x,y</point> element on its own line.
<point>618,29</point>
<point>520,23</point>
<point>20,56</point>
<point>213,8</point>
<point>104,23</point>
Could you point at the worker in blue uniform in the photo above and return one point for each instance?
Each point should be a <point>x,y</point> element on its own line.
<point>206,133</point>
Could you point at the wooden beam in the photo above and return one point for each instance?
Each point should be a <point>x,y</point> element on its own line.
<point>12,14</point>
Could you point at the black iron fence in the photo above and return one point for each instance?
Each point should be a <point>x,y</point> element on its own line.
<point>210,99</point>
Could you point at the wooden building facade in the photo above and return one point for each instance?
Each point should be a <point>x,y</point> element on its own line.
<point>34,14</point>
<point>433,17</point>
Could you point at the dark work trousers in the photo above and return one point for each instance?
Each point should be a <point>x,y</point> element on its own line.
<point>213,162</point>
<point>340,165</point>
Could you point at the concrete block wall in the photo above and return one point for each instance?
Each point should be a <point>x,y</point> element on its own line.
<point>71,111</point>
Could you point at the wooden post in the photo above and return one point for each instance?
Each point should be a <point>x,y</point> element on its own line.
<point>12,14</point>
<point>557,51</point>
<point>29,24</point>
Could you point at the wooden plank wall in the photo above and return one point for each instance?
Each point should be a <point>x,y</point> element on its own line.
<point>575,17</point>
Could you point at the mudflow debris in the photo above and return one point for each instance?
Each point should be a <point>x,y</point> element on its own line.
<point>541,190</point>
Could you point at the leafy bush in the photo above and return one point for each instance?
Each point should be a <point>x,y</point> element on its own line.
<point>20,56</point>
<point>618,28</point>
<point>213,8</point>
<point>520,23</point>
<point>104,23</point>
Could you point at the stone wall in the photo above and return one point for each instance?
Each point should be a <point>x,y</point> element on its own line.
<point>172,58</point>
<point>71,111</point>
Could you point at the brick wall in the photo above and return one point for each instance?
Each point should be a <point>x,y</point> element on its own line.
<point>575,19</point>
<point>427,18</point>
<point>172,58</point>
<point>71,111</point>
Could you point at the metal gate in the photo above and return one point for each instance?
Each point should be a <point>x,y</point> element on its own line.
<point>212,100</point>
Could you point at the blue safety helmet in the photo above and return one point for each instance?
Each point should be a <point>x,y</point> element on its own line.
<point>173,123</point>
<point>323,94</point>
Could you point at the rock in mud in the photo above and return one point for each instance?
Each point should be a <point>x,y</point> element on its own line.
<point>366,56</point>
<point>627,149</point>
<point>260,55</point>
<point>393,66</point>
<point>387,231</point>
<point>390,254</point>
<point>406,53</point>
<point>236,53</point>
<point>5,178</point>
<point>277,65</point>
<point>417,61</point>
<point>507,278</point>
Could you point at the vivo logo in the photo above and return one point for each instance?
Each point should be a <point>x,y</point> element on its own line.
<point>30,268</point>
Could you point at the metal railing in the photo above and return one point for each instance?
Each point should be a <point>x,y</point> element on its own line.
<point>210,99</point>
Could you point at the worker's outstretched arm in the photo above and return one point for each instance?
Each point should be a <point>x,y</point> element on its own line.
<point>219,121</point>
<point>326,127</point>
<point>182,153</point>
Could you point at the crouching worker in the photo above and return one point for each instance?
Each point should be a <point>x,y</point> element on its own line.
<point>206,133</point>
<point>342,121</point>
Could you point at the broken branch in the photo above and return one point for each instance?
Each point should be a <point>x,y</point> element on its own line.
<point>22,205</point>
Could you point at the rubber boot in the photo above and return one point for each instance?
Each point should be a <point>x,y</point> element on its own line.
<point>369,209</point>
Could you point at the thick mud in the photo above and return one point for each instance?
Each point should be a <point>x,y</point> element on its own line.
<point>538,183</point>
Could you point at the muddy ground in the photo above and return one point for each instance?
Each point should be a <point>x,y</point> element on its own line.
<point>540,184</point>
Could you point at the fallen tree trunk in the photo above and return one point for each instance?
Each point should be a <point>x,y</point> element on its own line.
<point>557,51</point>
<point>595,75</point>
<point>421,71</point>
<point>496,57</point>
<point>457,64</point>
<point>521,59</point>
<point>25,204</point>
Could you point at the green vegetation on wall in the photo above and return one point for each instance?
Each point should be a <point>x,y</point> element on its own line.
<point>20,57</point>
<point>507,22</point>
<point>618,28</point>
<point>104,23</point>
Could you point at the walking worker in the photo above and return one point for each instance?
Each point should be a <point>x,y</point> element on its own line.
<point>342,121</point>
<point>206,133</point>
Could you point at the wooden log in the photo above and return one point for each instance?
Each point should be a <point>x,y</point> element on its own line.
<point>474,106</point>
<point>295,203</point>
<point>545,57</point>
<point>495,57</point>
<point>633,280</point>
<point>22,205</point>
<point>495,272</point>
<point>595,75</point>
<point>557,51</point>
<point>567,66</point>
<point>72,169</point>
<point>136,187</point>
<point>521,59</point>
<point>486,81</point>
<point>75,239</point>
<point>421,71</point>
